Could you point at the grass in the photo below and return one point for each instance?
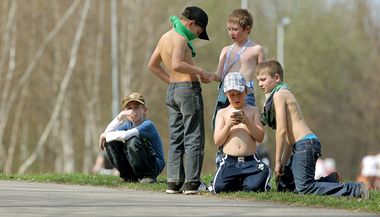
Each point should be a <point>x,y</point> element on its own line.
<point>358,205</point>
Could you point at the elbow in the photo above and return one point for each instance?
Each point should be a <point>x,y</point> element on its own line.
<point>280,133</point>
<point>151,66</point>
<point>260,138</point>
<point>176,67</point>
<point>218,142</point>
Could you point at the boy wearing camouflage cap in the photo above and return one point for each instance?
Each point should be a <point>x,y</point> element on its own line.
<point>133,143</point>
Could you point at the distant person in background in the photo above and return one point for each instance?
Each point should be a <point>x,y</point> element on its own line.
<point>133,143</point>
<point>103,165</point>
<point>297,147</point>
<point>325,167</point>
<point>377,181</point>
<point>368,171</point>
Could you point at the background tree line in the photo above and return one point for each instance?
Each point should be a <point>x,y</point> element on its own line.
<point>55,73</point>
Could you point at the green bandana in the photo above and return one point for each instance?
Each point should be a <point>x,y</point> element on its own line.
<point>269,116</point>
<point>185,32</point>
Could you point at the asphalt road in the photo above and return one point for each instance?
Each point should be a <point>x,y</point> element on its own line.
<point>18,198</point>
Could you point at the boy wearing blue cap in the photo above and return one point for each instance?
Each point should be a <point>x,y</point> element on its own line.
<point>237,129</point>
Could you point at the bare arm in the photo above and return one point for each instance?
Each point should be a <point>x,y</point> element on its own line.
<point>222,129</point>
<point>155,66</point>
<point>217,76</point>
<point>260,55</point>
<point>281,130</point>
<point>286,154</point>
<point>178,59</point>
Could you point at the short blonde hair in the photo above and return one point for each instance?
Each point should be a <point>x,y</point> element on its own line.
<point>270,67</point>
<point>242,17</point>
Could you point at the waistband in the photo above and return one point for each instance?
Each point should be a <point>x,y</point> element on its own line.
<point>308,141</point>
<point>184,84</point>
<point>310,136</point>
<point>240,159</point>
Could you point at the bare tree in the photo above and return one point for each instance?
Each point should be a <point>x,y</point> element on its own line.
<point>92,102</point>
<point>9,43</point>
<point>8,100</point>
<point>62,91</point>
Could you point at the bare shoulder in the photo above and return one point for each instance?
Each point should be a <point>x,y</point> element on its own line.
<point>251,109</point>
<point>281,95</point>
<point>171,37</point>
<point>225,49</point>
<point>222,111</point>
<point>255,48</point>
<point>284,96</point>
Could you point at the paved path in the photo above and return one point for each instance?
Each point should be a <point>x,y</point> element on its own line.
<point>43,199</point>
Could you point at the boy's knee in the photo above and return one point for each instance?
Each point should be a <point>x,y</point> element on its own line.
<point>134,143</point>
<point>113,143</point>
<point>218,188</point>
<point>257,184</point>
<point>302,187</point>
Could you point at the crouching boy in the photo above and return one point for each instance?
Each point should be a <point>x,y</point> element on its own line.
<point>133,143</point>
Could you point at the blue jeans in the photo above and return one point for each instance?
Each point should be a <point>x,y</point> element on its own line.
<point>186,128</point>
<point>302,165</point>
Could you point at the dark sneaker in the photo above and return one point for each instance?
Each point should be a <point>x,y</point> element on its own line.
<point>364,192</point>
<point>191,188</point>
<point>148,180</point>
<point>174,187</point>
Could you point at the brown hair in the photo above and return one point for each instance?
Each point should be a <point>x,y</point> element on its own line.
<point>270,67</point>
<point>242,17</point>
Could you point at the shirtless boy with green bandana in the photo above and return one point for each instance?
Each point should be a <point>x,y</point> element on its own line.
<point>297,147</point>
<point>183,99</point>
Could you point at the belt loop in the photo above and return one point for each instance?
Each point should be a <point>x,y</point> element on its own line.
<point>225,156</point>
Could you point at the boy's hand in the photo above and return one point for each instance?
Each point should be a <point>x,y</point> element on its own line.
<point>244,118</point>
<point>206,77</point>
<point>236,117</point>
<point>125,114</point>
<point>278,171</point>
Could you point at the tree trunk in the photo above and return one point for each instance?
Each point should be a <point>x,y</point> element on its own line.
<point>62,91</point>
<point>92,107</point>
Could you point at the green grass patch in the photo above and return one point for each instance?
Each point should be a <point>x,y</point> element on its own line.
<point>372,205</point>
